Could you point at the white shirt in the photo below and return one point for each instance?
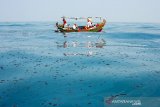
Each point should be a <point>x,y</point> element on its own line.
<point>74,26</point>
<point>89,24</point>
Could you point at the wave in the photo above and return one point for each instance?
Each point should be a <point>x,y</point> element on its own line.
<point>133,35</point>
<point>16,25</point>
<point>150,27</point>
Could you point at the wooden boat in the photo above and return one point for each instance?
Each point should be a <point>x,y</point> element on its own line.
<point>94,28</point>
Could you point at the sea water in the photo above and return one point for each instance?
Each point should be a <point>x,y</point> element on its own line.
<point>42,68</point>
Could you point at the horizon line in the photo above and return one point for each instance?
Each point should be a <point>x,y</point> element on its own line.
<point>77,21</point>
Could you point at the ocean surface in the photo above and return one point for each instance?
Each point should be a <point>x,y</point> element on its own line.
<point>41,68</point>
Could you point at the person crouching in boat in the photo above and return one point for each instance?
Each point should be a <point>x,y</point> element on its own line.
<point>75,27</point>
<point>64,22</point>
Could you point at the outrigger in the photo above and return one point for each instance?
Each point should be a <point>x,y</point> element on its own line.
<point>90,27</point>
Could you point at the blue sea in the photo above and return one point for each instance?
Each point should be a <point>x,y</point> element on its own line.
<point>42,68</point>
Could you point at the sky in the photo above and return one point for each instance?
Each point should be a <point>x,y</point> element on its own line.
<point>52,10</point>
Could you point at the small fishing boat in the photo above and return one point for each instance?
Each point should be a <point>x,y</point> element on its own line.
<point>97,27</point>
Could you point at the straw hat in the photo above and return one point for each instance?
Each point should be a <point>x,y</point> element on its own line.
<point>89,19</point>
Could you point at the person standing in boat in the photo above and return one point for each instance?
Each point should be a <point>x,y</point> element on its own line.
<point>64,22</point>
<point>89,23</point>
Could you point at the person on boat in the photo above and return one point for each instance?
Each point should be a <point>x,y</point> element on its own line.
<point>56,24</point>
<point>64,22</point>
<point>56,27</point>
<point>75,27</point>
<point>89,23</point>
